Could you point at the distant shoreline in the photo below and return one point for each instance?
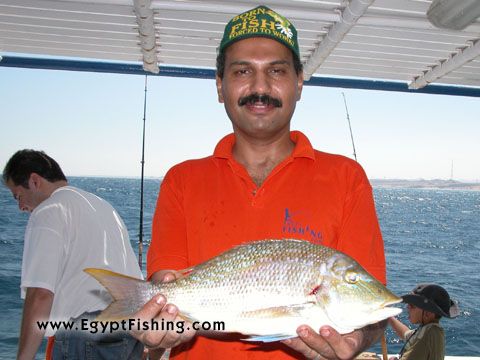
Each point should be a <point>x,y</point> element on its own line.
<point>425,184</point>
<point>377,183</point>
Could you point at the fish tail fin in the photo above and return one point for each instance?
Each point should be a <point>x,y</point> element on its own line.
<point>128,293</point>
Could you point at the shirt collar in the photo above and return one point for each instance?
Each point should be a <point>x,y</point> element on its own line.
<point>303,147</point>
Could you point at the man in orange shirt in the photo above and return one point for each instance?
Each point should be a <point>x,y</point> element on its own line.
<point>263,181</point>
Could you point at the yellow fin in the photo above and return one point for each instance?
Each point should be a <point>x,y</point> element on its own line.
<point>278,311</point>
<point>129,293</point>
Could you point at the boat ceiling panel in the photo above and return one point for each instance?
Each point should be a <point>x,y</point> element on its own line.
<point>391,41</point>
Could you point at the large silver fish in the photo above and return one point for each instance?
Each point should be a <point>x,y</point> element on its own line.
<point>264,290</point>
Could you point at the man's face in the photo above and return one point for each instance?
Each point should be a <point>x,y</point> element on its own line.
<point>262,67</point>
<point>28,199</point>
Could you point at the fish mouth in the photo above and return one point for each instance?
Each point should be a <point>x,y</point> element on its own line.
<point>386,310</point>
<point>391,302</point>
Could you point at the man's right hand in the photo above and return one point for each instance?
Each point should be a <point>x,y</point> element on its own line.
<point>159,311</point>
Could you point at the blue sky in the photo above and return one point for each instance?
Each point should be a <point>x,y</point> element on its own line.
<point>92,124</point>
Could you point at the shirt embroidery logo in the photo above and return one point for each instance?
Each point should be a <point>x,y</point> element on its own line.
<point>296,229</point>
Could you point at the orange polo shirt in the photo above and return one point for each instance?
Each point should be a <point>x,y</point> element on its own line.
<point>206,206</point>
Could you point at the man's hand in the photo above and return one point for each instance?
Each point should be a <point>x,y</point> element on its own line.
<point>163,313</point>
<point>329,344</point>
<point>159,311</point>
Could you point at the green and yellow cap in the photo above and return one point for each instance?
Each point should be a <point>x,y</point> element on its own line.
<point>260,22</point>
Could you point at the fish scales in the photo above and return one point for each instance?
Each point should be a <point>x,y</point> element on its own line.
<point>254,276</point>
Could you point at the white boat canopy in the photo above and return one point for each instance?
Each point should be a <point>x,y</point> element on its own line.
<point>378,44</point>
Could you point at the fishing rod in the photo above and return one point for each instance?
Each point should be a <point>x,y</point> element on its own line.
<point>140,231</point>
<point>349,126</point>
<point>383,338</point>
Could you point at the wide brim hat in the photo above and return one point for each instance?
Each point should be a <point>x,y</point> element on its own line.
<point>433,298</point>
<point>260,22</point>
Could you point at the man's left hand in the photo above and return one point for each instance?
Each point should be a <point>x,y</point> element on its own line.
<point>327,344</point>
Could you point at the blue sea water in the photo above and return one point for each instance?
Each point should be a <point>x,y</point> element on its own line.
<point>430,236</point>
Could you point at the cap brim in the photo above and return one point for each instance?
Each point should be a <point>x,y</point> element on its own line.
<point>424,304</point>
<point>223,47</point>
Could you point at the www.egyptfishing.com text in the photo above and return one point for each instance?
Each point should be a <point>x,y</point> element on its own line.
<point>108,327</point>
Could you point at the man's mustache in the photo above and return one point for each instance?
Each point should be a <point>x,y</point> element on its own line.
<point>260,98</point>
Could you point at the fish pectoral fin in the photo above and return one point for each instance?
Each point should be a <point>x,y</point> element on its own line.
<point>278,311</point>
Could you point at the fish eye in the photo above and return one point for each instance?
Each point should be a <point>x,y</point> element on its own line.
<point>351,277</point>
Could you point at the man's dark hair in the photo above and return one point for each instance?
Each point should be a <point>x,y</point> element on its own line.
<point>297,64</point>
<point>25,162</point>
